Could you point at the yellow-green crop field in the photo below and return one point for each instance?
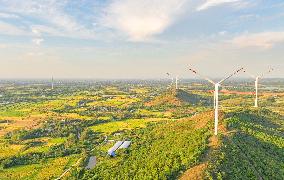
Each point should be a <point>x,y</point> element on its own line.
<point>129,124</point>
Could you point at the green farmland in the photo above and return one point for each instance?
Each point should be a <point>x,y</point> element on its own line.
<point>47,134</point>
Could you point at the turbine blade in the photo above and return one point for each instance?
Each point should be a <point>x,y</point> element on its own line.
<point>231,75</point>
<point>251,75</point>
<point>269,71</point>
<point>204,77</point>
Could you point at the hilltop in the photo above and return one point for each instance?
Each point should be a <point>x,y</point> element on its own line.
<point>178,97</point>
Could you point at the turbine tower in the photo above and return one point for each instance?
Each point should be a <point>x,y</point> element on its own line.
<point>52,82</point>
<point>256,83</point>
<point>176,82</point>
<point>216,94</point>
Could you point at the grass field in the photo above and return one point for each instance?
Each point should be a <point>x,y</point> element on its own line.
<point>129,124</point>
<point>50,169</point>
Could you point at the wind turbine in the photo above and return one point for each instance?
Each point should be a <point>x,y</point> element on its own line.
<point>172,78</point>
<point>256,83</point>
<point>216,94</point>
<point>176,82</point>
<point>52,82</point>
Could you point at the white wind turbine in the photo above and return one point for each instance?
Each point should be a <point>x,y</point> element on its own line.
<point>256,83</point>
<point>216,94</point>
<point>177,82</point>
<point>52,82</point>
<point>172,78</point>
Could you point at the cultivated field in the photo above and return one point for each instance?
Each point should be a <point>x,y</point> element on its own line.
<point>44,131</point>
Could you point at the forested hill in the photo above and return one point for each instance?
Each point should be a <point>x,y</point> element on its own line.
<point>162,151</point>
<point>179,97</point>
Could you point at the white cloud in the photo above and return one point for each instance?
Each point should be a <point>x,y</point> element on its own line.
<point>50,10</point>
<point>8,16</point>
<point>37,41</point>
<point>38,36</point>
<point>141,19</point>
<point>10,29</point>
<point>39,30</point>
<point>50,14</point>
<point>261,40</point>
<point>222,33</point>
<point>36,31</point>
<point>249,17</point>
<point>210,3</point>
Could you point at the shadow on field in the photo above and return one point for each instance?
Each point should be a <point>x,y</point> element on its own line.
<point>261,117</point>
<point>263,121</point>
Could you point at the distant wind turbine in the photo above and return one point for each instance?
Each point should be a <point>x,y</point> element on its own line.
<point>52,82</point>
<point>216,94</point>
<point>256,83</point>
<point>172,78</point>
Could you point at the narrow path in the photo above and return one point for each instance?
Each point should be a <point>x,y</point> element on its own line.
<point>197,171</point>
<point>65,172</point>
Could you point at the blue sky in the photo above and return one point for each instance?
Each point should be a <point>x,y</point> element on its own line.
<point>139,38</point>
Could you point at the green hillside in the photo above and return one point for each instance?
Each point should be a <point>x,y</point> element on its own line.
<point>179,97</point>
<point>252,148</point>
<point>162,151</point>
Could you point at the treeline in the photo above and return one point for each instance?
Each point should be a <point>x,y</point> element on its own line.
<point>38,157</point>
<point>53,129</point>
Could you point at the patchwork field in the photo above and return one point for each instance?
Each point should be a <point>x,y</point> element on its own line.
<point>47,133</point>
